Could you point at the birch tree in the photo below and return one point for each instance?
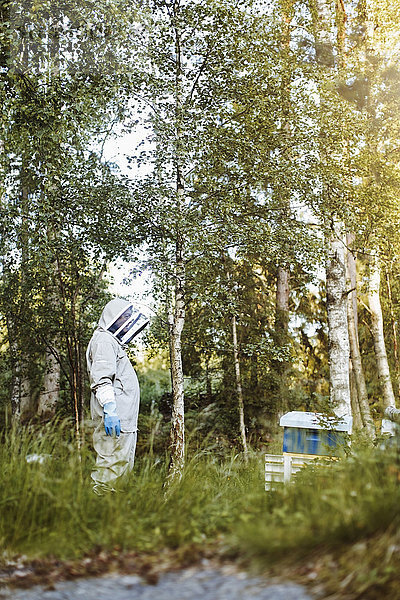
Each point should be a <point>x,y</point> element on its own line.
<point>360,395</point>
<point>378,167</point>
<point>338,338</point>
<point>284,193</point>
<point>377,332</point>
<point>188,49</point>
<point>239,389</point>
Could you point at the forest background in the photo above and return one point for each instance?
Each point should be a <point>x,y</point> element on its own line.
<point>262,200</point>
<point>269,157</point>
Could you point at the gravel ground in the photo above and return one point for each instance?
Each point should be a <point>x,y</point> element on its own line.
<point>190,584</point>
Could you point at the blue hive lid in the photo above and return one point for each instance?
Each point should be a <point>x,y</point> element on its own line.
<point>312,420</point>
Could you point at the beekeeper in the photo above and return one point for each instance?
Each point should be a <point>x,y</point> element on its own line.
<point>115,393</point>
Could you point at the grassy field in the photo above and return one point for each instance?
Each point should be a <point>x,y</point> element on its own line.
<point>343,522</point>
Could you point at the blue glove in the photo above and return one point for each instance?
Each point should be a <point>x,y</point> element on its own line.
<point>111,419</point>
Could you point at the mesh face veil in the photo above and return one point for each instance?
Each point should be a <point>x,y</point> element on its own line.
<point>127,324</point>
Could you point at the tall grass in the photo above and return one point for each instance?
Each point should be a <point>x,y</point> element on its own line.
<point>328,507</point>
<point>49,509</point>
<point>344,520</point>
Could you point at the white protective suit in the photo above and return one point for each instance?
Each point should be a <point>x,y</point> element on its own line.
<point>113,379</point>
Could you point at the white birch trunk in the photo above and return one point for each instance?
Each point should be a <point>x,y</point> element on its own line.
<point>323,16</point>
<point>177,321</point>
<point>377,333</point>
<point>239,389</point>
<point>395,336</point>
<point>49,395</point>
<point>355,406</point>
<point>282,299</point>
<point>16,374</point>
<point>15,395</point>
<point>360,402</point>
<point>21,397</point>
<point>281,331</point>
<point>338,336</point>
<point>177,318</point>
<point>27,404</point>
<point>279,391</point>
<point>26,408</point>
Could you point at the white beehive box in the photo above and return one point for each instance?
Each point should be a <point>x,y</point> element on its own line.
<point>279,468</point>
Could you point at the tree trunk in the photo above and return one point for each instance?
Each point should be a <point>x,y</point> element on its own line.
<point>49,395</point>
<point>82,369</point>
<point>15,388</point>
<point>282,286</point>
<point>280,367</point>
<point>26,401</point>
<point>338,336</point>
<point>239,389</point>
<point>282,300</point>
<point>21,404</point>
<point>394,330</point>
<point>360,403</point>
<point>15,373</point>
<point>177,318</point>
<point>355,406</point>
<point>22,401</point>
<point>177,321</point>
<point>324,17</point>
<point>208,381</point>
<point>377,332</point>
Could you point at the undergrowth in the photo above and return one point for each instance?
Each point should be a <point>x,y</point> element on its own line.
<point>48,508</point>
<point>334,504</point>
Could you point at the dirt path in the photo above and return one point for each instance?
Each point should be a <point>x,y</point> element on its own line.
<point>188,584</point>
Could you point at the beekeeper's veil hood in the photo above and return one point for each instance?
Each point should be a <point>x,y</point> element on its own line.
<point>122,320</point>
